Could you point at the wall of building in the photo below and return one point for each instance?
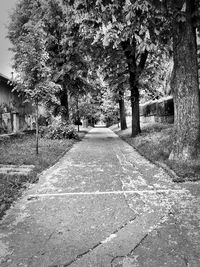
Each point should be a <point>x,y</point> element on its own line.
<point>15,115</point>
<point>161,110</point>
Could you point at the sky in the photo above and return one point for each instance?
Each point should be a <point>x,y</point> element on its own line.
<point>5,55</point>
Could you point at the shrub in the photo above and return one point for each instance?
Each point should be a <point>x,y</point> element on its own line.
<point>59,130</point>
<point>42,120</point>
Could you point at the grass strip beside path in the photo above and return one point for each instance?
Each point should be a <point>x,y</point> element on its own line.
<point>20,150</point>
<point>155,143</point>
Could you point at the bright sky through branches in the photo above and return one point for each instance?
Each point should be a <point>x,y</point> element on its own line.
<point>5,55</point>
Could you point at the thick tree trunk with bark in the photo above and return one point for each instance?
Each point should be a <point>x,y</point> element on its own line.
<point>135,108</point>
<point>78,113</point>
<point>185,89</point>
<point>130,51</point>
<point>135,71</point>
<point>37,129</point>
<point>122,111</point>
<point>64,103</point>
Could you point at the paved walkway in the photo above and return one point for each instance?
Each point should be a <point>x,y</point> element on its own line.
<point>102,205</point>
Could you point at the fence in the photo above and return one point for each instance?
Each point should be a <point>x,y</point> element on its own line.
<point>161,110</point>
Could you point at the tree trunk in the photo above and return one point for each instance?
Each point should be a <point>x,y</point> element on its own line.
<point>122,111</point>
<point>64,103</point>
<point>37,130</point>
<point>134,74</point>
<point>135,111</point>
<point>78,114</point>
<point>185,89</point>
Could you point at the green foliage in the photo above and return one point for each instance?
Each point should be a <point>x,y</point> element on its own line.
<point>42,120</point>
<point>28,38</point>
<point>67,55</point>
<point>59,130</point>
<point>109,107</point>
<point>125,32</point>
<point>155,79</point>
<point>84,107</point>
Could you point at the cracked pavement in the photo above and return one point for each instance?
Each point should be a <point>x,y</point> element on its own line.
<point>103,205</point>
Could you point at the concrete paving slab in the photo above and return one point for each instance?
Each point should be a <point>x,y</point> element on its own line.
<point>16,169</point>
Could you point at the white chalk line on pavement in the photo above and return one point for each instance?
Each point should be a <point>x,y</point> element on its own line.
<point>108,193</point>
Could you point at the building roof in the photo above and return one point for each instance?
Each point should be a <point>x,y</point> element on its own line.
<point>6,80</point>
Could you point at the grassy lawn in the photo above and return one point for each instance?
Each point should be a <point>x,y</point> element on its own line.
<point>155,143</point>
<point>21,150</point>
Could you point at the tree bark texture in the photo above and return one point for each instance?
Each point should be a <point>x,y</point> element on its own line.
<point>135,108</point>
<point>122,111</point>
<point>130,51</point>
<point>78,113</point>
<point>37,129</point>
<point>185,89</point>
<point>135,71</point>
<point>64,103</point>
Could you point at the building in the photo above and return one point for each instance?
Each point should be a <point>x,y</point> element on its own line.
<point>15,114</point>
